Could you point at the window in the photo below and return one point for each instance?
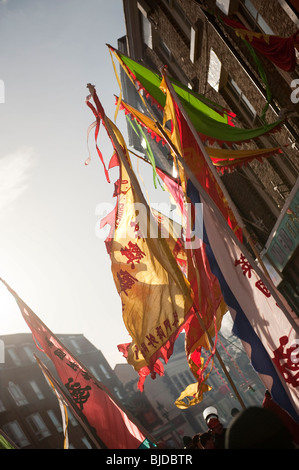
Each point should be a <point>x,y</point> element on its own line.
<point>165,49</point>
<point>241,98</point>
<point>72,419</point>
<point>194,43</point>
<point>14,356</point>
<point>105,372</point>
<point>181,15</point>
<point>146,31</point>
<point>117,393</point>
<point>29,353</point>
<point>17,394</point>
<point>55,420</point>
<point>15,432</point>
<point>223,5</point>
<point>86,442</point>
<point>38,426</point>
<point>94,373</point>
<point>214,72</point>
<point>37,390</point>
<point>253,17</point>
<point>75,345</point>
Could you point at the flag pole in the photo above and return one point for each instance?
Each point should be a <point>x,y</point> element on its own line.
<point>207,198</point>
<point>221,361</point>
<point>214,173</point>
<point>201,322</point>
<point>203,326</point>
<point>99,444</point>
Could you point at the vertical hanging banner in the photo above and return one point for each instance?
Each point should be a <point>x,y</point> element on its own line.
<point>155,295</point>
<point>112,426</point>
<point>269,337</point>
<point>259,304</point>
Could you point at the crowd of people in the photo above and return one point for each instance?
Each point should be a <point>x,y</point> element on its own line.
<point>265,427</point>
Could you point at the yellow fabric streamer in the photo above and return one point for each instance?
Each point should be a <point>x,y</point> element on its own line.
<point>120,87</point>
<point>62,405</point>
<point>227,157</point>
<point>250,35</point>
<point>194,391</point>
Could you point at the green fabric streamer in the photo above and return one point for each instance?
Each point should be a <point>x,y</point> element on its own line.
<point>4,444</point>
<point>208,123</point>
<point>148,151</point>
<point>263,77</point>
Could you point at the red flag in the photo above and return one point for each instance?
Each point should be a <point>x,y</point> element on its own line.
<point>280,51</point>
<point>208,300</point>
<point>112,425</point>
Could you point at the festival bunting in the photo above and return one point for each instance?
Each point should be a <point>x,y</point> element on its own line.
<point>211,125</point>
<point>280,51</point>
<point>223,159</point>
<point>183,138</point>
<point>149,81</point>
<point>113,427</point>
<point>155,295</point>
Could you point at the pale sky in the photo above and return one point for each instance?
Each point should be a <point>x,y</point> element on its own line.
<point>51,253</point>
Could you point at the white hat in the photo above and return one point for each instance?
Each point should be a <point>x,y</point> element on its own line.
<point>210,412</point>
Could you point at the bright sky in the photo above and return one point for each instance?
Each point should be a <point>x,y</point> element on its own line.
<point>51,253</point>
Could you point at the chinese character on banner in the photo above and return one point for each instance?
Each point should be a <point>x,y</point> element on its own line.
<point>133,253</point>
<point>245,265</point>
<point>287,361</point>
<point>79,394</point>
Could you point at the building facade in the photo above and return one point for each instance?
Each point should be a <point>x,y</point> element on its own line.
<point>29,409</point>
<point>30,415</point>
<point>204,53</point>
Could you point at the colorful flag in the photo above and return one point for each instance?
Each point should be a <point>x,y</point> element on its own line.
<point>208,304</point>
<point>188,147</point>
<point>149,82</point>
<point>156,297</point>
<point>212,125</point>
<point>223,159</point>
<point>113,427</point>
<point>269,333</point>
<point>259,301</point>
<point>281,51</point>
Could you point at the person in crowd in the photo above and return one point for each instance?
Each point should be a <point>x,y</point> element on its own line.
<point>257,428</point>
<point>286,418</point>
<point>207,441</point>
<point>188,442</point>
<point>234,412</point>
<point>216,428</point>
<point>196,441</point>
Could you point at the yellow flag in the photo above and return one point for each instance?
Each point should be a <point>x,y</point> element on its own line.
<point>156,296</point>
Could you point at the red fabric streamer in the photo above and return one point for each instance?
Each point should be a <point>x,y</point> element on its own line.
<point>280,51</point>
